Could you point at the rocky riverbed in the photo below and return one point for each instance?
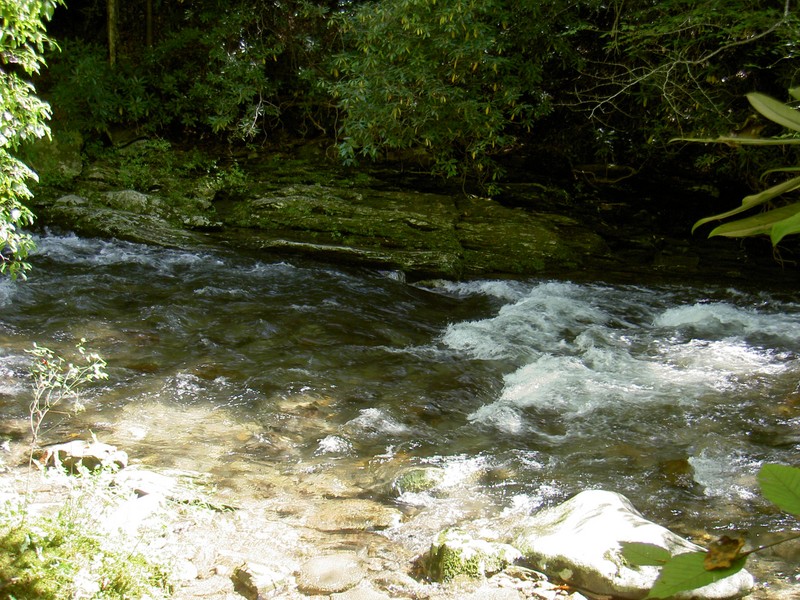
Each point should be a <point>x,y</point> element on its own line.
<point>299,528</point>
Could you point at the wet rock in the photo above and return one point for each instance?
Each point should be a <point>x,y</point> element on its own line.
<point>254,581</point>
<point>131,201</point>
<point>330,574</point>
<point>91,455</point>
<point>579,542</point>
<point>94,219</point>
<point>423,235</point>
<point>678,472</point>
<point>353,514</point>
<point>498,239</point>
<point>455,553</point>
<point>144,482</point>
<point>417,479</point>
<point>56,157</point>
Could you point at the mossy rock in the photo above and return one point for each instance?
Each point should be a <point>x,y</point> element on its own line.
<point>417,479</point>
<point>455,553</point>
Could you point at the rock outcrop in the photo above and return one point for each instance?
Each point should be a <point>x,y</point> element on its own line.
<point>422,235</point>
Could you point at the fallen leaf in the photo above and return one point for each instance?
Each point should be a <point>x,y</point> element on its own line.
<point>722,553</point>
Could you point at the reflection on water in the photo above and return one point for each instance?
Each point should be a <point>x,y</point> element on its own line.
<point>522,392</point>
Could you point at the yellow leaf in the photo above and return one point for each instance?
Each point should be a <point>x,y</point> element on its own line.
<point>722,553</point>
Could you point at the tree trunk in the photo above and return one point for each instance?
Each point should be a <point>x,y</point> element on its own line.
<point>113,31</point>
<point>148,23</point>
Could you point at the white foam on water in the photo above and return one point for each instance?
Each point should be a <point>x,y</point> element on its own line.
<point>333,444</point>
<point>8,290</point>
<point>508,291</point>
<point>721,318</point>
<point>12,379</point>
<point>372,422</point>
<point>724,472</point>
<point>578,350</point>
<point>544,320</point>
<point>95,252</point>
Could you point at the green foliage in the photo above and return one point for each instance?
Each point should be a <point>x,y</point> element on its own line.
<point>23,117</point>
<point>65,555</point>
<point>55,380</point>
<point>688,572</point>
<point>780,484</point>
<point>92,96</point>
<point>228,69</point>
<point>143,164</point>
<point>448,77</point>
<point>654,68</point>
<point>775,222</point>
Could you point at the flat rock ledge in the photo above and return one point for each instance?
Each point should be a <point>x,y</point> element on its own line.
<point>422,235</point>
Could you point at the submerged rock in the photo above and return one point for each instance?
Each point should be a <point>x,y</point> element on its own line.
<point>91,455</point>
<point>353,514</point>
<point>254,581</point>
<point>455,553</point>
<point>330,574</point>
<point>417,479</point>
<point>579,542</point>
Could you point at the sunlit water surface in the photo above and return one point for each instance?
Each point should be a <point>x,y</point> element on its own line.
<point>524,392</point>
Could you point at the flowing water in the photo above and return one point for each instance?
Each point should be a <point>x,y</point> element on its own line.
<point>521,392</point>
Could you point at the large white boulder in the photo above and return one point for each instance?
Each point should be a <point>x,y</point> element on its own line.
<point>579,542</point>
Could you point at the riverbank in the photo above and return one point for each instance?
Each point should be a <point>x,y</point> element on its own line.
<point>298,203</point>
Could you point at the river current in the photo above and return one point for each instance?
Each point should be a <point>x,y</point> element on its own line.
<point>522,392</point>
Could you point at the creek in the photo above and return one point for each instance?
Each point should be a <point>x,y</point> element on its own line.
<point>523,392</point>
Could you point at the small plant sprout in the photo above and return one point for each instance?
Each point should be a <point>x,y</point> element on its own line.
<point>55,380</point>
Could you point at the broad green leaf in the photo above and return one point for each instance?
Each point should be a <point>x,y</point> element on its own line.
<point>687,572</point>
<point>748,141</point>
<point>643,555</point>
<point>754,200</point>
<point>795,93</point>
<point>780,170</point>
<point>757,224</point>
<point>785,227</point>
<point>780,484</point>
<point>775,110</point>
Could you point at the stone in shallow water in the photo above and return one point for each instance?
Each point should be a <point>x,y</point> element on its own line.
<point>254,581</point>
<point>91,455</point>
<point>455,553</point>
<point>579,542</point>
<point>353,514</point>
<point>417,479</point>
<point>330,574</point>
